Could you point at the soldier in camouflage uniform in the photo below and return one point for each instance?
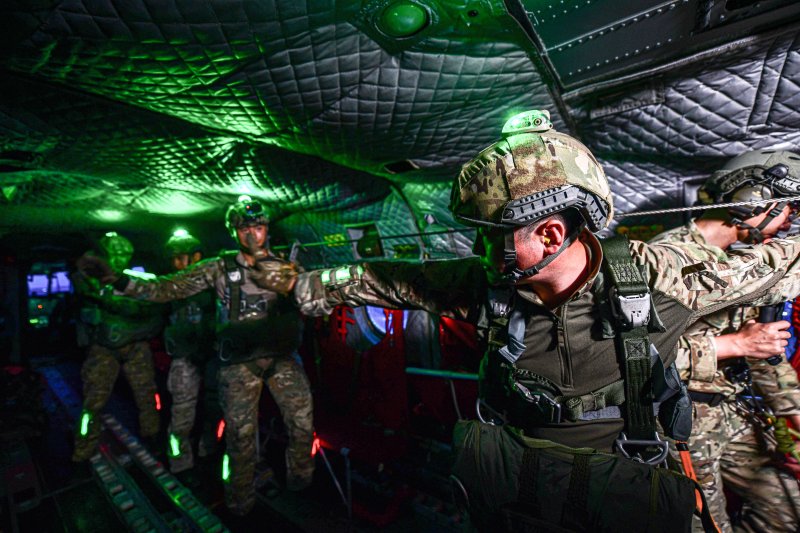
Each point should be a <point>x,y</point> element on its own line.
<point>728,447</point>
<point>117,331</point>
<point>189,342</point>
<point>258,331</point>
<point>540,290</point>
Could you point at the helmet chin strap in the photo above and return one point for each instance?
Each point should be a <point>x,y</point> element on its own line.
<point>512,272</point>
<point>755,234</point>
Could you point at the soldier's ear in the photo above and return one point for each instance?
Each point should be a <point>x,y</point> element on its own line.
<point>552,232</point>
<point>197,256</point>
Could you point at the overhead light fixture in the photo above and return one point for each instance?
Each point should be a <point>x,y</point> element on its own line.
<point>403,18</point>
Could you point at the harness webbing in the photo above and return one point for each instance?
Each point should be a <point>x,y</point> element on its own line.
<point>235,285</point>
<point>632,339</point>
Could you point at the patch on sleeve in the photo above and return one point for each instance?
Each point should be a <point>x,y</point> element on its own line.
<point>701,270</point>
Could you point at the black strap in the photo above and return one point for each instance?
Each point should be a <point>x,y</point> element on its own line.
<point>625,281</point>
<point>575,513</point>
<point>528,496</point>
<point>235,286</point>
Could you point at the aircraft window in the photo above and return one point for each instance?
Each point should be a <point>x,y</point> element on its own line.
<point>37,285</point>
<point>378,319</point>
<point>59,282</point>
<point>366,241</point>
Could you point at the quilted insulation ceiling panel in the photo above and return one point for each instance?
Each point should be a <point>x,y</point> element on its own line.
<point>132,115</point>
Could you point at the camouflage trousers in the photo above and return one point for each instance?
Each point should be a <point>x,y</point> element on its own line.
<point>240,389</point>
<point>727,450</point>
<point>183,383</point>
<point>99,372</point>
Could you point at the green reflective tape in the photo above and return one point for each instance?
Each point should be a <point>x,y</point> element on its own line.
<point>86,417</point>
<point>174,445</point>
<point>325,277</point>
<point>359,270</point>
<point>146,276</point>
<point>343,274</point>
<point>226,468</point>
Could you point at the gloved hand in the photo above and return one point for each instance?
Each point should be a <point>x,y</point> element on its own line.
<point>275,275</point>
<point>92,266</point>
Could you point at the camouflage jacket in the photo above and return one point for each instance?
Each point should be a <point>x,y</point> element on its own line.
<point>258,306</point>
<point>758,275</point>
<point>566,346</point>
<point>111,320</point>
<point>697,359</point>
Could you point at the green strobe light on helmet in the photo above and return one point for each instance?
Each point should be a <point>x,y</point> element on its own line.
<point>182,242</point>
<point>245,212</point>
<point>531,173</point>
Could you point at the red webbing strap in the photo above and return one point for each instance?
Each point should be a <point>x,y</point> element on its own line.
<point>688,470</point>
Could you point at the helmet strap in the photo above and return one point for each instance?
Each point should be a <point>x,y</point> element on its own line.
<point>513,272</point>
<point>754,234</point>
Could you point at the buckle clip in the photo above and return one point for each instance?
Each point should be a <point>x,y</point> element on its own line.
<point>631,311</point>
<point>624,443</point>
<point>541,400</point>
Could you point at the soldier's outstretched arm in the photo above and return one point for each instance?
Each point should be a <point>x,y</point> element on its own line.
<point>187,282</point>
<point>757,275</point>
<point>447,288</point>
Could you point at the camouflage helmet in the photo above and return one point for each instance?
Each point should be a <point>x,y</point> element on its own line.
<point>182,242</point>
<point>532,172</point>
<point>757,175</point>
<point>245,212</point>
<point>116,249</point>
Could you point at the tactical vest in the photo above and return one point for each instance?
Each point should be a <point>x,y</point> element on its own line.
<point>190,333</point>
<point>114,331</point>
<point>581,379</point>
<point>558,375</point>
<point>256,322</point>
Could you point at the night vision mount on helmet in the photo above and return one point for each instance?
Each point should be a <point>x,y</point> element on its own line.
<point>531,173</point>
<point>753,176</point>
<point>245,212</point>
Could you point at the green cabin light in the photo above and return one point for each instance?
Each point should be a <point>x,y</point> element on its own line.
<point>244,198</point>
<point>528,122</point>
<point>180,232</point>
<point>403,19</point>
<point>86,417</point>
<point>174,445</point>
<point>226,468</point>
<point>109,215</point>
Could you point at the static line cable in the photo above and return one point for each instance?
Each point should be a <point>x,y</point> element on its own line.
<point>381,237</point>
<point>616,216</point>
<point>704,207</point>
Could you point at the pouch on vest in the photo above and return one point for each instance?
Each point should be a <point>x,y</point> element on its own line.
<point>117,332</point>
<point>271,336</point>
<point>538,485</point>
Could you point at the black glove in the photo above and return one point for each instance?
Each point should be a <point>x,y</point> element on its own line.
<point>92,266</point>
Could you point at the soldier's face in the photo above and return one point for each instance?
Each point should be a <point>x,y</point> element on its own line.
<point>256,234</point>
<point>180,261</point>
<point>118,262</point>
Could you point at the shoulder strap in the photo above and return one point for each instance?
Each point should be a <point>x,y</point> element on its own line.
<point>629,296</point>
<point>233,279</point>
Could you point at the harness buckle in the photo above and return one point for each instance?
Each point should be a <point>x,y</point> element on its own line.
<point>631,311</point>
<point>541,400</point>
<point>624,445</point>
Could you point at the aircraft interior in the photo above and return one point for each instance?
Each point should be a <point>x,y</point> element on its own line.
<point>347,122</point>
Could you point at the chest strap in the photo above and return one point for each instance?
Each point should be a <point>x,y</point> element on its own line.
<point>629,296</point>
<point>233,279</point>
